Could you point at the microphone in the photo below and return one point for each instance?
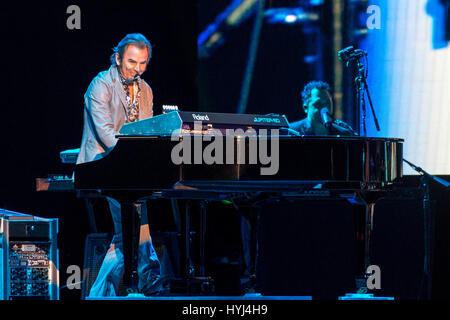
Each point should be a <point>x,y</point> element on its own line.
<point>344,53</point>
<point>350,53</point>
<point>326,117</point>
<point>131,81</point>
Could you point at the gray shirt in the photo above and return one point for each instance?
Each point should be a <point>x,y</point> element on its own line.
<point>105,113</point>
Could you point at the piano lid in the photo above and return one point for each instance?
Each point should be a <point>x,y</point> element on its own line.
<point>360,160</point>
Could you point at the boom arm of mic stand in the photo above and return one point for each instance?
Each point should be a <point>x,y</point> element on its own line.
<point>437,179</point>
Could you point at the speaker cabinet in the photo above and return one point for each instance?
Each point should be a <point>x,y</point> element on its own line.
<point>398,247</point>
<point>307,247</point>
<point>96,246</point>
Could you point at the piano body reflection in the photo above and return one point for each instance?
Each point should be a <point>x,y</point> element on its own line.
<point>142,165</point>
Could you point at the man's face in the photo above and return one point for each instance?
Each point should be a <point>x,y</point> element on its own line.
<point>134,61</point>
<point>319,99</point>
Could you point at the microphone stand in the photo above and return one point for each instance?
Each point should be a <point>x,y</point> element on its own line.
<point>361,85</point>
<point>348,55</point>
<point>361,105</point>
<point>428,225</point>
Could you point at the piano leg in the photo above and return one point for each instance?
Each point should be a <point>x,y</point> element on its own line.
<point>202,256</point>
<point>130,234</point>
<point>189,268</point>
<point>368,236</point>
<point>198,283</point>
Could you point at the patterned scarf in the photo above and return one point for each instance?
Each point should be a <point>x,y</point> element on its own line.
<point>132,107</point>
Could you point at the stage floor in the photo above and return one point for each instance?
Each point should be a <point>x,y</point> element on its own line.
<point>253,296</point>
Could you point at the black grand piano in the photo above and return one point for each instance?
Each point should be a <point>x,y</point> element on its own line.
<point>212,167</point>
